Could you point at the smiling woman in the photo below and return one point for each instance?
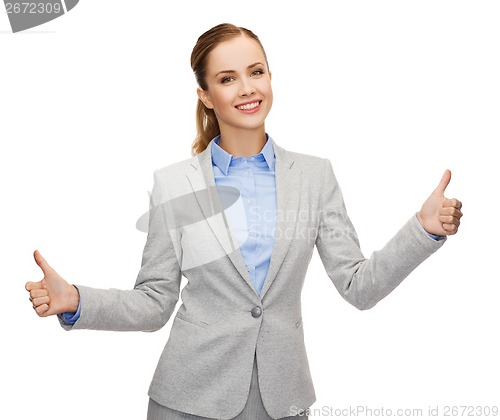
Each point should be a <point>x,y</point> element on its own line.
<point>240,98</point>
<point>236,348</point>
<point>233,76</point>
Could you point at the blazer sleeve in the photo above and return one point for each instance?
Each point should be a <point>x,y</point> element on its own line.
<point>149,305</point>
<point>360,281</point>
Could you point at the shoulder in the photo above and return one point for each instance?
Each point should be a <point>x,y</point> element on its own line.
<point>176,168</point>
<point>311,164</point>
<point>171,180</point>
<point>306,159</point>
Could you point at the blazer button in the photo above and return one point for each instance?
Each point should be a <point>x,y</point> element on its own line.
<point>256,312</point>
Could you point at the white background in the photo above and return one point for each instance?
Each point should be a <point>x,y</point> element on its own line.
<point>393,92</point>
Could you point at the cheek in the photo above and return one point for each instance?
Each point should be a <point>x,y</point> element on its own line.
<point>269,97</point>
<point>270,94</point>
<point>266,89</point>
<point>222,98</point>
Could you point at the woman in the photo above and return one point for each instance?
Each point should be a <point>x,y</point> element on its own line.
<point>240,220</point>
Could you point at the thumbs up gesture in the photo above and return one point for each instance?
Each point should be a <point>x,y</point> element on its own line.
<point>440,215</point>
<point>51,295</point>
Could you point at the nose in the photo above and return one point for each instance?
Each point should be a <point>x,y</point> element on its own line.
<point>246,87</point>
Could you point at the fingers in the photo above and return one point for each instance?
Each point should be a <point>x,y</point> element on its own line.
<point>450,215</point>
<point>36,293</point>
<point>39,297</point>
<point>450,229</point>
<point>40,301</point>
<point>450,220</point>
<point>450,211</point>
<point>452,202</point>
<point>40,304</point>
<point>42,310</point>
<point>34,285</point>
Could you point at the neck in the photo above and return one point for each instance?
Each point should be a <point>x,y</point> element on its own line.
<point>243,142</point>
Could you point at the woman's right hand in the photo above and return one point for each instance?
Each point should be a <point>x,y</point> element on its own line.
<point>52,295</point>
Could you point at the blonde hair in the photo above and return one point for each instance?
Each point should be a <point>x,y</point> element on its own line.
<point>207,126</point>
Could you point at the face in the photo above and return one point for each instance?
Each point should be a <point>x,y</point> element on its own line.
<point>238,85</point>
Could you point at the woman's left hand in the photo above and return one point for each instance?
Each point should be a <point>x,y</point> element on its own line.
<point>440,215</point>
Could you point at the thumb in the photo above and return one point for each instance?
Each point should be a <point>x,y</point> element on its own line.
<point>445,180</point>
<point>44,265</point>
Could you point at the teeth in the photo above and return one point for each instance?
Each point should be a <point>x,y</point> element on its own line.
<point>249,106</point>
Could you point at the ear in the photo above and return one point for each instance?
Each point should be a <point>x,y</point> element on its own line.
<point>204,97</point>
<point>270,76</point>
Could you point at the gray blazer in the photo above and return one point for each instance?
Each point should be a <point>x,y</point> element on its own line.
<point>206,366</point>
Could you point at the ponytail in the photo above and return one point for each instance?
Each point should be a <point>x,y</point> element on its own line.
<point>207,127</point>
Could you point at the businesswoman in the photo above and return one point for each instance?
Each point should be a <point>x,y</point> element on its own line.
<point>227,219</point>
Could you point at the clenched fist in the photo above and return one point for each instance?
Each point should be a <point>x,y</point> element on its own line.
<point>440,215</point>
<point>52,295</point>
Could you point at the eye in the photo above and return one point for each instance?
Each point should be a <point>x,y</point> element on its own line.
<point>257,72</point>
<point>227,79</point>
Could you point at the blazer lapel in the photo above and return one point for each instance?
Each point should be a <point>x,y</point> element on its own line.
<point>288,187</point>
<point>203,184</point>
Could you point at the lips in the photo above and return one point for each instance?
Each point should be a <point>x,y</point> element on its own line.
<point>249,107</point>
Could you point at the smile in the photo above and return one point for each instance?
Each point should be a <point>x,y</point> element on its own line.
<point>249,106</point>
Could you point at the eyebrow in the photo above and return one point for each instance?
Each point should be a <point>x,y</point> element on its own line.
<point>234,71</point>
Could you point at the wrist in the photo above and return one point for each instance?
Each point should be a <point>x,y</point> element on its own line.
<point>419,218</point>
<point>73,298</point>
